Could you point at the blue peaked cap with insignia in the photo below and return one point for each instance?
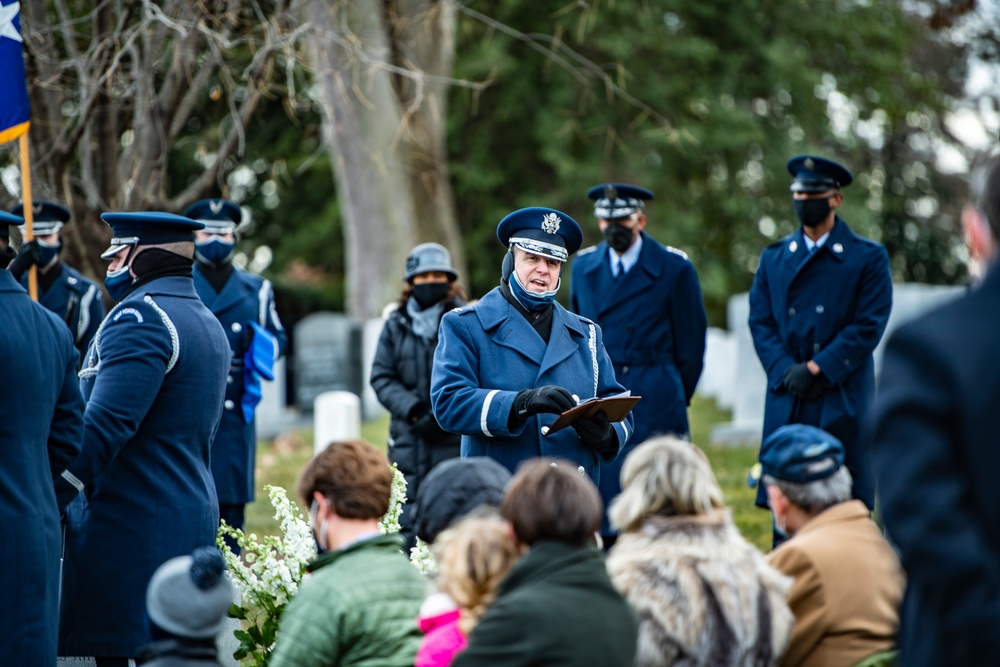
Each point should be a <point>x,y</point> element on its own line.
<point>144,228</point>
<point>541,231</point>
<point>220,216</point>
<point>813,174</point>
<point>617,200</point>
<point>7,220</point>
<point>47,217</point>
<point>799,454</point>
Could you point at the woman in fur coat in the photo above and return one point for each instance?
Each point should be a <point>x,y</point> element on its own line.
<point>703,594</point>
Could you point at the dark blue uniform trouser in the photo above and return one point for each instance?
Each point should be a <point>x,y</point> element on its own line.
<point>235,516</point>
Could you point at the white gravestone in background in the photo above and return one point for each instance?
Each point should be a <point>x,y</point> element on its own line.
<point>370,333</point>
<point>336,416</point>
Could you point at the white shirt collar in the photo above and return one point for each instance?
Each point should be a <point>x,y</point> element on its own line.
<point>818,243</point>
<point>628,259</point>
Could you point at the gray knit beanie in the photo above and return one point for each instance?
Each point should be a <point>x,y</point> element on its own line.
<point>189,596</point>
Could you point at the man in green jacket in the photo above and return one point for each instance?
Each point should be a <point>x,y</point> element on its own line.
<point>360,602</point>
<point>556,607</point>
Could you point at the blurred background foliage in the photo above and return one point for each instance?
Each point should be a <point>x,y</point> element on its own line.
<point>713,98</point>
<point>702,102</point>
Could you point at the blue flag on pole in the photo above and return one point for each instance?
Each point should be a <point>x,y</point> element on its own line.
<point>14,109</point>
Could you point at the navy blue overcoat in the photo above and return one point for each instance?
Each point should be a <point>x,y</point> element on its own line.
<point>76,300</point>
<point>41,432</point>
<point>488,352</point>
<point>936,459</point>
<point>653,319</point>
<point>154,380</point>
<point>243,299</point>
<point>829,306</point>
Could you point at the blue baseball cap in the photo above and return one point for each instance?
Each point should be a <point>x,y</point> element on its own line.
<point>144,228</point>
<point>815,174</point>
<point>798,453</point>
<point>47,217</point>
<point>541,231</point>
<point>220,216</point>
<point>617,200</point>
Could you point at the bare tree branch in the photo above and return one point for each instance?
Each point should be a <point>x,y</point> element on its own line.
<point>580,73</point>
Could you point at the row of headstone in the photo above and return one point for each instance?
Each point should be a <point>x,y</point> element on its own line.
<point>734,377</point>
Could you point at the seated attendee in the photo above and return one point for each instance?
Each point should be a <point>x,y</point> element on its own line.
<point>848,582</point>
<point>453,489</point>
<point>188,602</point>
<point>472,556</point>
<point>556,606</point>
<point>704,595</point>
<point>359,604</point>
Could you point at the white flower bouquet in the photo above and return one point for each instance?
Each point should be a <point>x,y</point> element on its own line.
<point>269,571</point>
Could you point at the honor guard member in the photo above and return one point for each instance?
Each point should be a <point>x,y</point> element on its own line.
<point>154,380</point>
<point>646,298</point>
<point>244,305</point>
<point>41,431</point>
<point>818,307</point>
<point>506,367</point>
<point>61,288</point>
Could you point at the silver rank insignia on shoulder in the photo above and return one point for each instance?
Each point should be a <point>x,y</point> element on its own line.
<point>793,246</point>
<point>838,248</point>
<point>676,251</point>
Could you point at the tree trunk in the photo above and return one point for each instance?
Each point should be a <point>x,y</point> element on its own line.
<point>384,128</point>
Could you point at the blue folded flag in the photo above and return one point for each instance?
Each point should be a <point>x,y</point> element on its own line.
<point>258,362</point>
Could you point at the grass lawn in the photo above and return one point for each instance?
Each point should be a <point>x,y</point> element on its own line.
<point>279,463</point>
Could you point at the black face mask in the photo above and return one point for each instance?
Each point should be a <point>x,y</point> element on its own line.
<point>428,294</point>
<point>811,212</point>
<point>619,237</point>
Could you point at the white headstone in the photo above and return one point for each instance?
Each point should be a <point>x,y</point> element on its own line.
<point>370,333</point>
<point>336,416</point>
<point>717,377</point>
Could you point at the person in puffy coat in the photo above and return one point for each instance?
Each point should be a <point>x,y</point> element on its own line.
<point>401,371</point>
<point>703,594</point>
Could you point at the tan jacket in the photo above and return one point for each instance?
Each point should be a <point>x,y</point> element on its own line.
<point>847,590</point>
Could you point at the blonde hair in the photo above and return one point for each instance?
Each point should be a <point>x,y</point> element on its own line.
<point>664,476</point>
<point>473,556</point>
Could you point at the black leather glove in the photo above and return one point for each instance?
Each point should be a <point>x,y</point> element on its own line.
<point>27,257</point>
<point>528,402</point>
<point>549,398</point>
<point>425,423</point>
<point>801,383</point>
<point>596,432</point>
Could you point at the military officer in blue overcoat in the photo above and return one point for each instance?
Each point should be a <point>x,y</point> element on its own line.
<point>41,431</point>
<point>507,366</point>
<point>818,307</point>
<point>154,381</point>
<point>61,288</point>
<point>244,305</point>
<point>646,298</point>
